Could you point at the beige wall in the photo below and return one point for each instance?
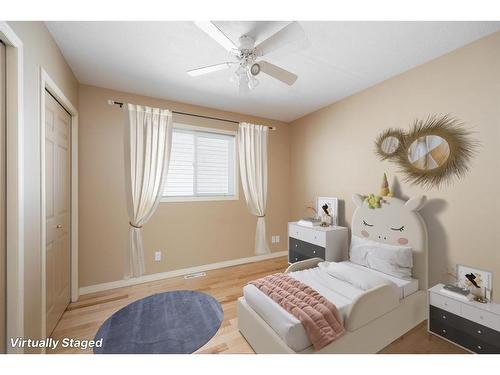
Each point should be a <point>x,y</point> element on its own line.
<point>39,50</point>
<point>332,152</point>
<point>188,234</point>
<point>3,269</point>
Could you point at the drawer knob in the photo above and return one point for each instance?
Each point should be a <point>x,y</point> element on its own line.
<point>479,347</point>
<point>296,259</point>
<point>296,245</point>
<point>479,331</point>
<point>314,251</point>
<point>444,316</point>
<point>444,331</point>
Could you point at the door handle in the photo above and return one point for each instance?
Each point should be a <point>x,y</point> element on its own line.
<point>59,226</point>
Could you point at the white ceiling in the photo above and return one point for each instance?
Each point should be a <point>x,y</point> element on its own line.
<point>338,60</point>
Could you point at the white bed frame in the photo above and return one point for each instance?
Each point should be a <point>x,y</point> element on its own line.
<point>369,326</point>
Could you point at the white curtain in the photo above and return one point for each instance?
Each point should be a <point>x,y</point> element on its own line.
<point>147,153</point>
<point>252,148</point>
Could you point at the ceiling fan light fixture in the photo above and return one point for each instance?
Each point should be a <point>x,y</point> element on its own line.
<point>255,69</point>
<point>253,83</point>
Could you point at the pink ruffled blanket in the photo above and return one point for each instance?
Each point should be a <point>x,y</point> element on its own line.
<point>319,316</point>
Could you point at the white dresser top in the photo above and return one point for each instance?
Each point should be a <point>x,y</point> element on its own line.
<point>490,307</point>
<point>319,227</point>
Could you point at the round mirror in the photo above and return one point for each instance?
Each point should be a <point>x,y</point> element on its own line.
<point>389,144</point>
<point>428,152</point>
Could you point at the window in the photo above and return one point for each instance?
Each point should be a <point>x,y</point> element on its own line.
<point>202,165</point>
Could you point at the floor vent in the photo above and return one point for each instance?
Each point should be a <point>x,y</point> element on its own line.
<point>195,275</point>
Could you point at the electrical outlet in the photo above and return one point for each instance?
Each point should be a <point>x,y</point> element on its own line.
<point>157,256</point>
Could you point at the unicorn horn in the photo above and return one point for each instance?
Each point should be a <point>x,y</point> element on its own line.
<point>384,189</point>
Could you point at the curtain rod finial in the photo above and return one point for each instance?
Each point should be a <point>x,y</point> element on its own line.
<point>113,102</point>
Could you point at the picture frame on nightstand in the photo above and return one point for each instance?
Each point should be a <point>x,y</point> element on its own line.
<point>333,207</point>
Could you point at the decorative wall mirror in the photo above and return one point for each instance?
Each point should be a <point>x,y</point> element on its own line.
<point>389,143</point>
<point>433,152</point>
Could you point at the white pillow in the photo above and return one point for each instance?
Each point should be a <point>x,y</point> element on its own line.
<point>358,278</point>
<point>390,259</point>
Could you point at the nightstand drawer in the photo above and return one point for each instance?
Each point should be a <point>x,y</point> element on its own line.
<point>305,249</point>
<point>445,303</point>
<point>314,236</point>
<point>294,256</point>
<point>482,317</point>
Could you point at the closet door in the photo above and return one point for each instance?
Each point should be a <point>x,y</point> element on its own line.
<point>57,210</point>
<point>3,249</point>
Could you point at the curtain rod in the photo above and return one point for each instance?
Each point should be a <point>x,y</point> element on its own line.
<point>114,102</point>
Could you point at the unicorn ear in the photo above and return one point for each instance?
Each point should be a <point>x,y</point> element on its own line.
<point>415,204</point>
<point>358,200</point>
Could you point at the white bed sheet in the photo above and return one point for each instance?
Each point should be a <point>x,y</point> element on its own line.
<point>406,287</point>
<point>336,291</point>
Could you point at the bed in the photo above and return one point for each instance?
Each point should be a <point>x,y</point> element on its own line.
<point>373,318</point>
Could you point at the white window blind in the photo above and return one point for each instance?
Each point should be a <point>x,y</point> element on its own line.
<point>202,164</point>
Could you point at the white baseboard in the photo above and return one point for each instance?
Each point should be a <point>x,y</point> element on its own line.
<point>176,273</point>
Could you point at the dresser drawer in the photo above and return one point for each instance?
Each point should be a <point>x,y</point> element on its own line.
<point>477,345</point>
<point>305,249</point>
<point>444,316</point>
<point>445,303</point>
<point>480,333</point>
<point>444,330</point>
<point>314,236</point>
<point>482,317</point>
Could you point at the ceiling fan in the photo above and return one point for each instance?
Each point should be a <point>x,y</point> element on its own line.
<point>248,55</point>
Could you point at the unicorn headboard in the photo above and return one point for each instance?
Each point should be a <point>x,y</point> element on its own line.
<point>395,222</point>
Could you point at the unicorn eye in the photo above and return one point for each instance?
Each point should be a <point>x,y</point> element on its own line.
<point>368,225</point>
<point>399,229</point>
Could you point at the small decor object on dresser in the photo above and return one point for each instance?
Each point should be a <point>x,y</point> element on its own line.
<point>472,325</point>
<point>328,243</point>
<point>477,281</point>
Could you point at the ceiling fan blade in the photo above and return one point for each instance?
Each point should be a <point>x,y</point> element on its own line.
<point>209,69</point>
<point>279,73</point>
<point>215,33</point>
<point>290,33</point>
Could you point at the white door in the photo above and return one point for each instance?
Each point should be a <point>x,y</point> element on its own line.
<point>3,269</point>
<point>57,210</point>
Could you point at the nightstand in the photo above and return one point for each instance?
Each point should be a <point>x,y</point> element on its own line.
<point>472,325</point>
<point>328,243</point>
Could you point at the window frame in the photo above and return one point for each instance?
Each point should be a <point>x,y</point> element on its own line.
<point>210,198</point>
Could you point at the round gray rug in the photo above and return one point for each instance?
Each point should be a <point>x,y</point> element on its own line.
<point>177,322</point>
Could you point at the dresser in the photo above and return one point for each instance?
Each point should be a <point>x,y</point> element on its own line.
<point>328,243</point>
<point>472,325</point>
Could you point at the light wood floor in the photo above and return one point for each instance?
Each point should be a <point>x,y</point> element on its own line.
<point>83,318</point>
